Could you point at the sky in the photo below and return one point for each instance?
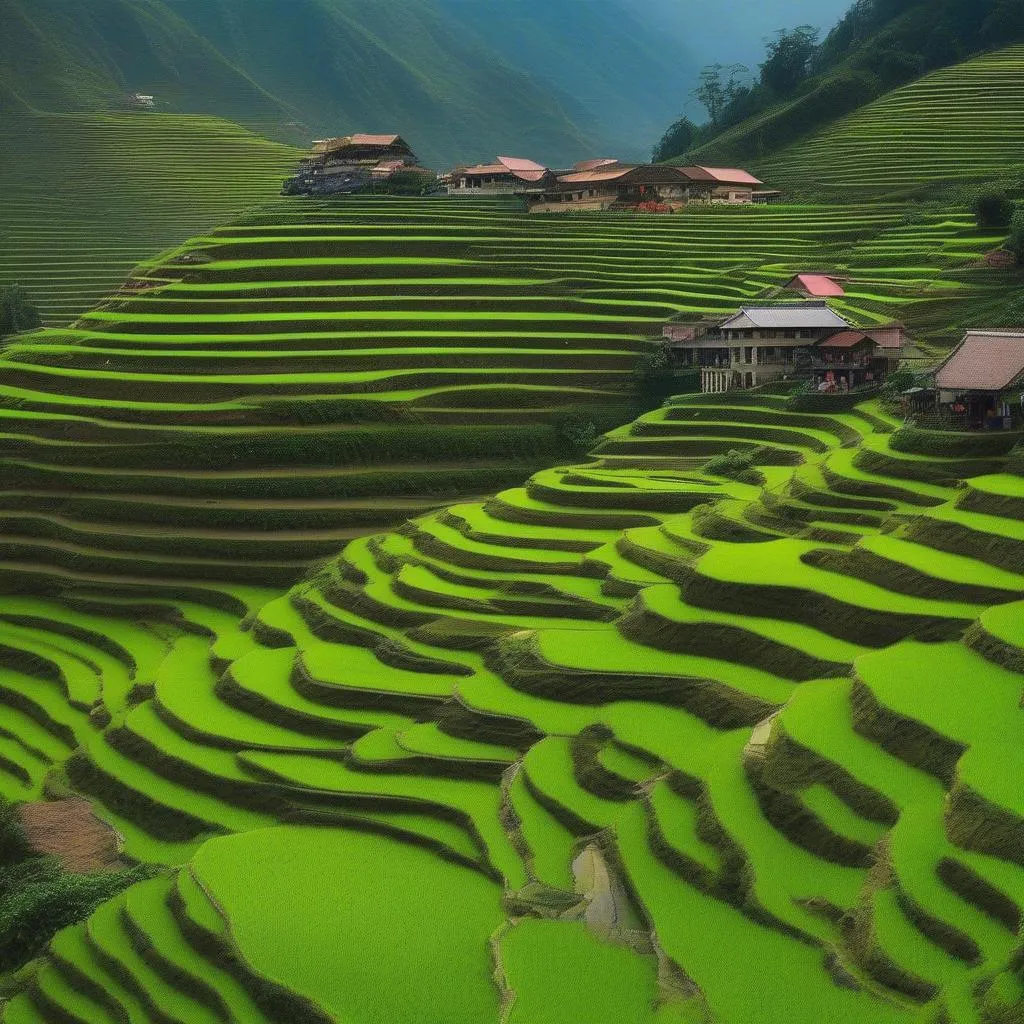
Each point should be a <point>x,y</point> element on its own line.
<point>733,31</point>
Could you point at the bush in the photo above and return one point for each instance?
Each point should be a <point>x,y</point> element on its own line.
<point>898,382</point>
<point>1015,240</point>
<point>17,313</point>
<point>577,432</point>
<point>992,208</point>
<point>656,379</point>
<point>737,465</point>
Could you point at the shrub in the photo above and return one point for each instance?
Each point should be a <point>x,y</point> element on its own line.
<point>1015,240</point>
<point>1014,316</point>
<point>17,313</point>
<point>577,432</point>
<point>992,208</point>
<point>898,382</point>
<point>737,465</point>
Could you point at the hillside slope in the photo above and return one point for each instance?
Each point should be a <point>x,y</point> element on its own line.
<point>639,742</point>
<point>86,197</point>
<point>57,56</point>
<point>317,370</point>
<point>962,124</point>
<point>462,81</point>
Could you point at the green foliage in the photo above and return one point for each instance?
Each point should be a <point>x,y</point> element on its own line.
<point>676,141</point>
<point>788,59</point>
<point>992,208</point>
<point>577,432</point>
<point>655,378</point>
<point>1015,239</point>
<point>1014,316</point>
<point>737,465</point>
<point>406,183</point>
<point>38,897</point>
<point>878,45</point>
<point>17,313</point>
<point>898,382</point>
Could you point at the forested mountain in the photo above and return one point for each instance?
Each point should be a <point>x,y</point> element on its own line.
<point>805,82</point>
<point>555,79</point>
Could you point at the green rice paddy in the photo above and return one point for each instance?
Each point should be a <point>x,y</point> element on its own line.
<point>505,774</point>
<point>421,719</point>
<point>89,196</point>
<point>960,124</point>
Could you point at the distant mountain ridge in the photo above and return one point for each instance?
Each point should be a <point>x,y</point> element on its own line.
<point>464,80</point>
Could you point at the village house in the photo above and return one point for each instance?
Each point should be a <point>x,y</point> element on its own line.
<point>981,383</point>
<point>607,184</point>
<point>806,340</point>
<point>508,175</point>
<point>347,163</point>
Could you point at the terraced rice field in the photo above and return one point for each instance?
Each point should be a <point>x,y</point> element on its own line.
<point>86,197</point>
<point>317,371</point>
<point>961,124</point>
<point>630,742</point>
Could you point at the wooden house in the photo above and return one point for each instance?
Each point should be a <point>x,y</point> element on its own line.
<point>347,163</point>
<point>760,343</point>
<point>506,176</point>
<point>981,383</point>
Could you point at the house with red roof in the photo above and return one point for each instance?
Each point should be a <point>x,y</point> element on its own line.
<point>505,176</point>
<point>981,383</point>
<point>347,163</point>
<point>608,184</point>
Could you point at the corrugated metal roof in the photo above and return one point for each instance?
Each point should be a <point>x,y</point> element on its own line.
<point>983,361</point>
<point>786,316</point>
<point>818,284</point>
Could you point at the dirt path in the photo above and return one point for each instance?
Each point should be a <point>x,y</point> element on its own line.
<point>69,830</point>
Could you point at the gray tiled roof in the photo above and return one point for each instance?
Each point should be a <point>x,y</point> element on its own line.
<point>785,316</point>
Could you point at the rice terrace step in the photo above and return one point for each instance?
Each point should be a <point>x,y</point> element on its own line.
<point>421,599</point>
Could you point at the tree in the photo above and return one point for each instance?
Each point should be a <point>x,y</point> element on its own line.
<point>1005,24</point>
<point>1015,241</point>
<point>789,58</point>
<point>711,91</point>
<point>1015,311</point>
<point>16,311</point>
<point>992,208</point>
<point>676,140</point>
<point>655,377</point>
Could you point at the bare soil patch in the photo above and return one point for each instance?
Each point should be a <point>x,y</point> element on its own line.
<point>68,830</point>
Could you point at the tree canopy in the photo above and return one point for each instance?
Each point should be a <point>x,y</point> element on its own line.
<point>17,313</point>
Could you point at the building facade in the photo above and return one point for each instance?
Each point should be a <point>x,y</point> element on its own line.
<point>762,343</point>
<point>508,175</point>
<point>348,163</point>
